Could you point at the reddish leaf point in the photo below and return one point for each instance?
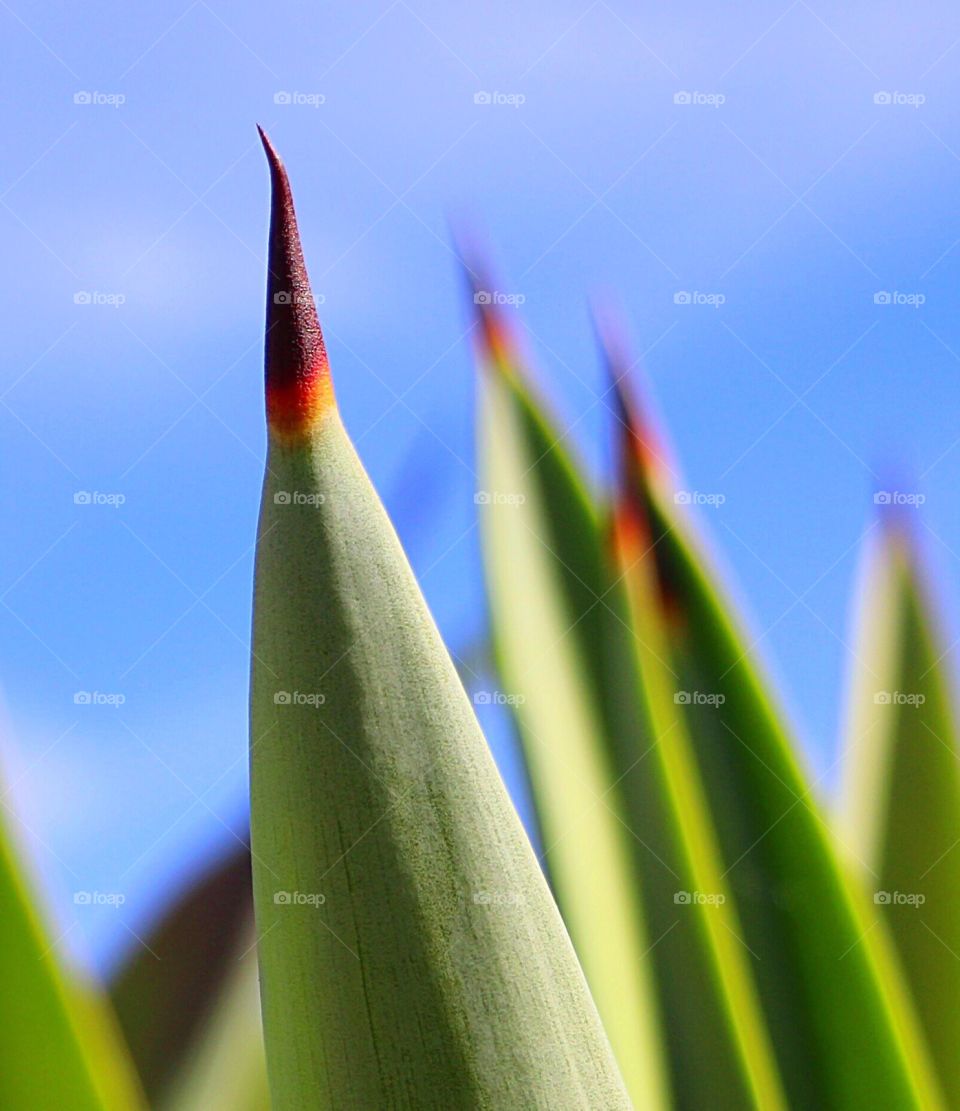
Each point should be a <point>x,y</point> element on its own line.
<point>640,465</point>
<point>495,340</point>
<point>297,375</point>
<point>642,457</point>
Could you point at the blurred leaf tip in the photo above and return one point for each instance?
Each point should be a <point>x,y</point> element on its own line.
<point>641,449</point>
<point>640,463</point>
<point>496,341</point>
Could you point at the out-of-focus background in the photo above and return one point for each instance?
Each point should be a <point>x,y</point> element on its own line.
<point>769,190</point>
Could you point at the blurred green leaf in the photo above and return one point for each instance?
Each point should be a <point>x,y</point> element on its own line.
<point>61,1045</point>
<point>830,993</point>
<point>410,952</point>
<point>902,789</point>
<point>165,990</point>
<point>542,653</point>
<point>225,1069</point>
<point>627,843</point>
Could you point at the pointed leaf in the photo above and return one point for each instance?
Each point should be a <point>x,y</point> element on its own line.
<point>609,795</point>
<point>830,994</point>
<point>410,952</point>
<point>542,656</point>
<point>902,790</point>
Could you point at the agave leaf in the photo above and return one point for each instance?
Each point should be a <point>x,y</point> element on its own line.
<point>614,790</point>
<point>61,1044</point>
<point>902,790</point>
<point>670,813</point>
<point>165,991</point>
<point>542,653</point>
<point>830,994</point>
<point>410,952</point>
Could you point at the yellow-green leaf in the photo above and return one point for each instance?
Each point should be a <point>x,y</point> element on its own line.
<point>902,789</point>
<point>611,791</point>
<point>540,652</point>
<point>60,1042</point>
<point>830,993</point>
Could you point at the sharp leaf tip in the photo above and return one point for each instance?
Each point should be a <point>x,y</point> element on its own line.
<point>297,375</point>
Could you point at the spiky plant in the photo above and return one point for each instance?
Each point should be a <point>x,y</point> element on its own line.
<point>744,947</point>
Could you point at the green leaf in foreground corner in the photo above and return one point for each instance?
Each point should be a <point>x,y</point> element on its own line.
<point>844,1033</point>
<point>411,955</point>
<point>60,1044</point>
<point>626,858</point>
<point>902,789</point>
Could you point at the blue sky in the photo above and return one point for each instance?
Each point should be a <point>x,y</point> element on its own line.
<point>791,162</point>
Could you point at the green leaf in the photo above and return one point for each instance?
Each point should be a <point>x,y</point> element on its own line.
<point>902,789</point>
<point>166,989</point>
<point>410,951</point>
<point>830,993</point>
<point>706,971</point>
<point>61,1046</point>
<point>542,655</point>
<point>626,840</point>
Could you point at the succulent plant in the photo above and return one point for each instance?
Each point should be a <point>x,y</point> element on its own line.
<point>701,929</point>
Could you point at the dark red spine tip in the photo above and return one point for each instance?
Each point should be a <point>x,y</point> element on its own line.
<point>297,374</point>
